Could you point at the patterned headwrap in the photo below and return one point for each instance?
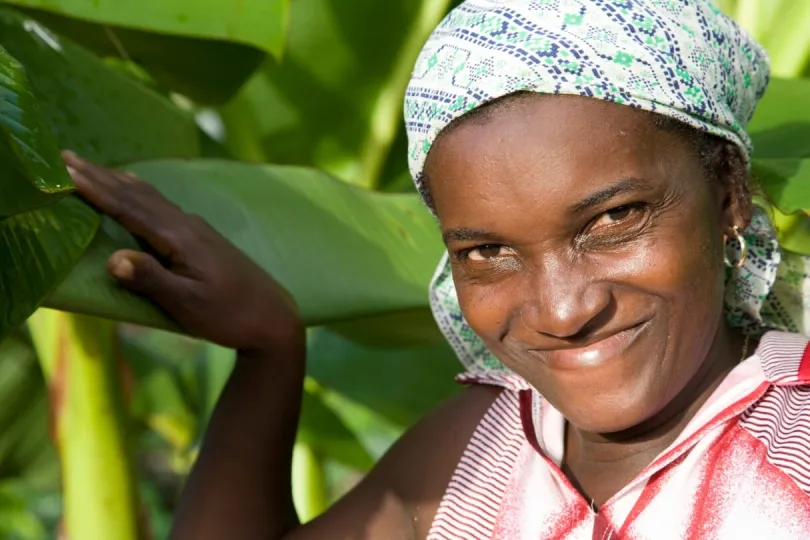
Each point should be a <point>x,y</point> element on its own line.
<point>680,58</point>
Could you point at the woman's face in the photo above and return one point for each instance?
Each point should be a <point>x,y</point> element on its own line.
<point>587,252</point>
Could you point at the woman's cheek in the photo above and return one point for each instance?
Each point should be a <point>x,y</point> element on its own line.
<point>485,308</point>
<point>679,265</point>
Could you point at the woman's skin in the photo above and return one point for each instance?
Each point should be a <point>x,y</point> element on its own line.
<point>587,251</point>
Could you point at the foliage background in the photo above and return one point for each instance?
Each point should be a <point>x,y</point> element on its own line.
<point>198,99</point>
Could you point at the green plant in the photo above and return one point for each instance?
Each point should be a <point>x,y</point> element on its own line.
<point>131,91</point>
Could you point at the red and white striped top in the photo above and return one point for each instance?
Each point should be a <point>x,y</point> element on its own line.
<point>740,469</point>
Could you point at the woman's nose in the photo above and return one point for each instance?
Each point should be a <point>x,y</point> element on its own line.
<point>564,301</point>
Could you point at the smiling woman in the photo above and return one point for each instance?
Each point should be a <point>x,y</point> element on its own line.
<point>589,166</point>
<point>573,266</point>
<point>607,276</point>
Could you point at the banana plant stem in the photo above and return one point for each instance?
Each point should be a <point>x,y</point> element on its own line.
<point>80,359</point>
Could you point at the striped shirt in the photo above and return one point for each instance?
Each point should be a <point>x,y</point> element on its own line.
<point>739,470</point>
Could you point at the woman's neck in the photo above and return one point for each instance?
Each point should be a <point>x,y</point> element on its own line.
<point>601,464</point>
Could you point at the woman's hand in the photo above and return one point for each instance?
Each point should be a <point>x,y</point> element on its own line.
<point>240,484</point>
<point>212,289</point>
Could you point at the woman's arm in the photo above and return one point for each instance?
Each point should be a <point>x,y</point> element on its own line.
<point>399,497</point>
<point>240,485</point>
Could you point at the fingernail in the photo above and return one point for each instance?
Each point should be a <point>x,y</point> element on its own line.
<point>122,268</point>
<point>75,174</point>
<point>70,155</point>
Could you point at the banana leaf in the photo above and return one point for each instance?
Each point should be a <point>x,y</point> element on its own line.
<point>401,384</point>
<point>342,251</point>
<point>89,107</point>
<point>324,432</point>
<point>29,159</point>
<point>39,243</point>
<point>780,131</point>
<point>259,23</point>
<point>57,95</point>
<point>780,128</point>
<point>335,101</point>
<point>207,71</point>
<point>786,182</point>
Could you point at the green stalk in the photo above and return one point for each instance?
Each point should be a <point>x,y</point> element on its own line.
<point>749,17</point>
<point>79,357</point>
<point>310,492</point>
<point>244,139</point>
<point>788,40</point>
<point>387,111</point>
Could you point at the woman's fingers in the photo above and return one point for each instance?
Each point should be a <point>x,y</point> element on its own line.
<point>139,207</point>
<point>143,274</point>
<point>212,289</point>
<point>137,270</point>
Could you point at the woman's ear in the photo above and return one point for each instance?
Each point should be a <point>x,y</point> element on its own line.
<point>733,178</point>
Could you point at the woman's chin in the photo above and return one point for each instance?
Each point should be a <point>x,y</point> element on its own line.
<point>624,393</point>
<point>621,420</point>
<point>605,425</point>
<point>606,415</point>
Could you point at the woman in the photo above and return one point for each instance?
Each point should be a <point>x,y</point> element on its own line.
<point>588,164</point>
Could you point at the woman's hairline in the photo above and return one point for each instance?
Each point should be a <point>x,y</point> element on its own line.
<point>705,144</point>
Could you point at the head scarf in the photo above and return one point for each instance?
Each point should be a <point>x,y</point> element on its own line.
<point>680,58</point>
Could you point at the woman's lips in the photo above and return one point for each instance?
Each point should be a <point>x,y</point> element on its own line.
<point>594,354</point>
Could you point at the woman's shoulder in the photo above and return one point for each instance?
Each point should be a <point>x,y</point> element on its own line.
<point>780,419</point>
<point>785,358</point>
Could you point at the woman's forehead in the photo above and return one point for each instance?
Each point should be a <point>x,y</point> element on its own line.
<point>549,159</point>
<point>553,138</point>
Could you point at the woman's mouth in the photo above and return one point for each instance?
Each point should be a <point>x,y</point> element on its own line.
<point>594,354</point>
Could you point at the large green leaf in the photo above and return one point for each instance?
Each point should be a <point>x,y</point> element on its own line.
<point>323,431</point>
<point>28,155</point>
<point>335,102</point>
<point>786,182</point>
<point>408,328</point>
<point>343,252</point>
<point>259,23</point>
<point>401,384</point>
<point>205,70</point>
<point>780,128</point>
<point>780,131</point>
<point>90,108</point>
<point>39,245</point>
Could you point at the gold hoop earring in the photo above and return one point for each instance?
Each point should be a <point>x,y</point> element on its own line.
<point>743,250</point>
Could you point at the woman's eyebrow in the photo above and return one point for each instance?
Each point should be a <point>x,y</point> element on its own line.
<point>465,235</point>
<point>605,194</point>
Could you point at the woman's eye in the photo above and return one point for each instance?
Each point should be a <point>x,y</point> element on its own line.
<point>615,215</point>
<point>486,253</point>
